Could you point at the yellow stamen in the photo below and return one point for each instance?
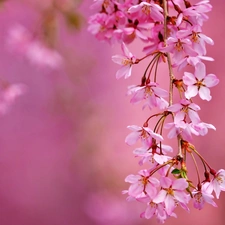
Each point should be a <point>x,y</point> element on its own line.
<point>179,46</point>
<point>146,9</point>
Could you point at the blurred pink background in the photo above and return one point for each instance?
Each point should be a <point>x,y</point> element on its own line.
<point>63,159</point>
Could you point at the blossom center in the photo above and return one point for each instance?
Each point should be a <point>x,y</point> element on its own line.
<point>195,37</point>
<point>144,134</point>
<point>199,83</point>
<point>170,191</point>
<point>179,46</point>
<point>144,181</point>
<point>152,205</point>
<point>106,4</point>
<point>220,179</point>
<point>146,10</point>
<point>185,109</point>
<point>198,197</point>
<point>126,62</point>
<point>148,90</point>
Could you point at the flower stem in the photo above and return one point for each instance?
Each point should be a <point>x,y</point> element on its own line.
<point>165,12</point>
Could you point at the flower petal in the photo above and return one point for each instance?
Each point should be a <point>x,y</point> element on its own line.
<point>191,91</point>
<point>180,184</point>
<point>211,80</point>
<point>204,93</point>
<point>200,70</point>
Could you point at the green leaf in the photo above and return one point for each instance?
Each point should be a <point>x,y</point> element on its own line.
<point>175,171</point>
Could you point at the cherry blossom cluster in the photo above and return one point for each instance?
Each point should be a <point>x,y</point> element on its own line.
<point>171,31</point>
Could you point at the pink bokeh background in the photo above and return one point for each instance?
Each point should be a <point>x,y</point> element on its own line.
<point>63,159</point>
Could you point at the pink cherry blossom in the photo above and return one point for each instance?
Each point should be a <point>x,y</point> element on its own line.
<point>142,183</point>
<point>218,182</point>
<point>155,154</point>
<point>202,128</point>
<point>146,10</point>
<point>199,82</point>
<point>143,133</point>
<point>187,129</point>
<point>191,60</point>
<point>197,38</point>
<point>126,61</point>
<point>200,197</point>
<point>101,26</point>
<point>195,14</point>
<point>150,92</point>
<point>201,8</point>
<point>184,108</point>
<point>171,193</point>
<point>158,210</point>
<point>179,47</point>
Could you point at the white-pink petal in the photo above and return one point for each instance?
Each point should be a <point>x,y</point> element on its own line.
<point>149,212</point>
<point>180,184</point>
<point>169,204</point>
<point>204,93</point>
<point>180,196</point>
<point>200,71</point>
<point>191,91</point>
<point>189,78</point>
<point>132,138</point>
<point>126,51</point>
<point>211,80</point>
<point>118,59</point>
<point>165,182</point>
<point>160,197</point>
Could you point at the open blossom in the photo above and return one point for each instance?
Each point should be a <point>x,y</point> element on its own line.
<point>155,153</point>
<point>150,92</point>
<point>126,61</point>
<point>195,13</point>
<point>187,129</point>
<point>199,82</point>
<point>152,158</point>
<point>179,47</point>
<point>101,25</point>
<point>158,210</point>
<point>202,128</point>
<point>191,60</point>
<point>142,183</point>
<point>173,191</point>
<point>146,10</point>
<point>144,133</point>
<point>197,38</point>
<point>200,197</point>
<point>201,8</point>
<point>217,184</point>
<point>185,107</point>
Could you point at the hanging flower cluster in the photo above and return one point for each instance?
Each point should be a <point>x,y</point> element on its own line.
<point>172,33</point>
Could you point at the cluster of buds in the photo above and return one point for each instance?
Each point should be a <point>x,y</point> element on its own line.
<point>172,33</point>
